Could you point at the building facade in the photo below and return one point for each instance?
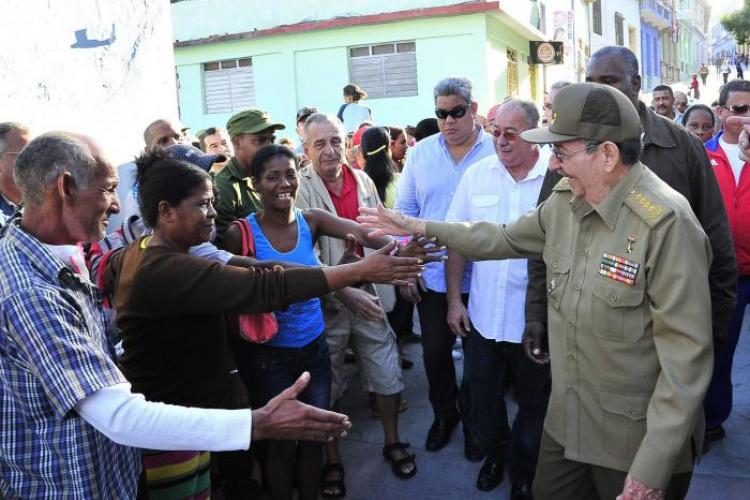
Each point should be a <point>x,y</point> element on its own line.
<point>723,45</point>
<point>658,33</point>
<point>674,40</point>
<point>303,53</point>
<point>693,17</point>
<point>585,26</point>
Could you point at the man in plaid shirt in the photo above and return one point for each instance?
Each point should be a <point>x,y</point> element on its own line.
<point>69,423</point>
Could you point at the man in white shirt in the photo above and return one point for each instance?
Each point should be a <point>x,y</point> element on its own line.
<point>500,189</point>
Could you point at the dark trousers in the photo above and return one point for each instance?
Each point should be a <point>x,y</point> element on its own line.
<point>400,318</point>
<point>558,478</point>
<point>492,367</point>
<point>437,343</point>
<point>718,402</point>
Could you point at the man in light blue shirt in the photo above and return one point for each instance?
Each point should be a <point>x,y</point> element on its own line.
<point>430,177</point>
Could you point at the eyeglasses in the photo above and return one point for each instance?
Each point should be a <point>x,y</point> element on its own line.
<point>509,135</point>
<point>738,109</point>
<point>455,113</point>
<point>559,155</point>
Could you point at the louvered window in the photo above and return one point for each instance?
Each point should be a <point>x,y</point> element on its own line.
<point>385,69</point>
<point>228,85</point>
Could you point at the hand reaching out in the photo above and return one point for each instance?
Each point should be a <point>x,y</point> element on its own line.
<point>286,418</point>
<point>389,222</point>
<point>424,248</point>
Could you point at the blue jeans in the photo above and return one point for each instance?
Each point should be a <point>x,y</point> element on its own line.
<point>491,367</point>
<point>718,403</point>
<point>269,370</point>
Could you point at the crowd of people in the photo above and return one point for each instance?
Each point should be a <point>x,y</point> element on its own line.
<point>172,324</point>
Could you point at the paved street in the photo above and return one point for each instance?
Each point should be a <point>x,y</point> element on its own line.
<point>723,474</point>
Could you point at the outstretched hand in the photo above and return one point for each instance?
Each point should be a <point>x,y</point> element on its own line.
<point>286,418</point>
<point>381,267</point>
<point>389,222</point>
<point>424,248</point>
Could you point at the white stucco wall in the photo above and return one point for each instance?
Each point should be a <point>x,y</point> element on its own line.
<point>119,78</point>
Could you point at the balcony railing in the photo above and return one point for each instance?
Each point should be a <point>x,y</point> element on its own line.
<point>657,13</point>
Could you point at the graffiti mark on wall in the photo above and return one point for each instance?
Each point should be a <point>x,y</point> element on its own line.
<point>84,42</point>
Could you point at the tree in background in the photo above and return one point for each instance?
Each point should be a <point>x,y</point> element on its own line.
<point>738,24</point>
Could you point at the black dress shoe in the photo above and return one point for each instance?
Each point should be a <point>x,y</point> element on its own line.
<point>521,491</point>
<point>473,448</point>
<point>440,432</point>
<point>490,476</point>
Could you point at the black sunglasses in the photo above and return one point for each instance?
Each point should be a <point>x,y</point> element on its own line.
<point>739,109</point>
<point>455,113</point>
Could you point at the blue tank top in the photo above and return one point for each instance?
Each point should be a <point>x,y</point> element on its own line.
<point>302,322</point>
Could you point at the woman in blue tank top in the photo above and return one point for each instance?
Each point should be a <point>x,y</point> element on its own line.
<point>282,232</point>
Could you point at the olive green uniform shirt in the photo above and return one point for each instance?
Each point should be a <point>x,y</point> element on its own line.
<point>630,362</point>
<point>237,199</point>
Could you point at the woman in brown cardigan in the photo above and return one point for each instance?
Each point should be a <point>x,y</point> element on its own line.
<point>171,307</point>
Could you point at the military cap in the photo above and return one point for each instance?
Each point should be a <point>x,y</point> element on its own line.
<point>251,121</point>
<point>589,111</point>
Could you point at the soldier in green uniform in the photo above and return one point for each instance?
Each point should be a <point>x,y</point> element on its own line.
<point>249,131</point>
<point>628,302</point>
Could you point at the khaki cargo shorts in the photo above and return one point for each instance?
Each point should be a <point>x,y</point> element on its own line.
<point>375,349</point>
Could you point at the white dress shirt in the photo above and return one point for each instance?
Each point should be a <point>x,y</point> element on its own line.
<point>487,192</point>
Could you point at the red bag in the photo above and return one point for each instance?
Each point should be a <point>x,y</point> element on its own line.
<point>257,328</point>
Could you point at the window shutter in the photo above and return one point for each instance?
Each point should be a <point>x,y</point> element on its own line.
<point>385,70</point>
<point>228,86</point>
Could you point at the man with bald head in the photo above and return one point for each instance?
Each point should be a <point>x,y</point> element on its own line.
<point>680,105</point>
<point>680,160</point>
<point>497,189</point>
<point>159,134</point>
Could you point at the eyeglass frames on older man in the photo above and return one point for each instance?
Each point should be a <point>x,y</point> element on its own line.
<point>455,113</point>
<point>560,155</point>
<point>509,135</point>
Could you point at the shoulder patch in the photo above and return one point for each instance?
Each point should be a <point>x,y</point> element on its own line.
<point>562,185</point>
<point>648,205</point>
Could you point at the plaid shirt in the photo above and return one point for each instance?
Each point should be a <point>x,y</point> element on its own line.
<point>53,353</point>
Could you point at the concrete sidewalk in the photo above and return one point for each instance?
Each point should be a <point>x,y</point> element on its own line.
<point>723,474</point>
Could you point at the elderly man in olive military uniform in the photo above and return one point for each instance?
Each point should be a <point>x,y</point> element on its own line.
<point>249,131</point>
<point>629,305</point>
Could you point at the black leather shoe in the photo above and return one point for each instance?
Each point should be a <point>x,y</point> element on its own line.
<point>521,491</point>
<point>490,476</point>
<point>440,432</point>
<point>472,448</point>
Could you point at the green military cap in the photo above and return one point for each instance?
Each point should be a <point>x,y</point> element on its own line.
<point>251,121</point>
<point>589,111</point>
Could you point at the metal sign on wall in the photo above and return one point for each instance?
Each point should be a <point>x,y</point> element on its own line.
<point>546,52</point>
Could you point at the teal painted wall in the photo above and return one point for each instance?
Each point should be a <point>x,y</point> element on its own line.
<point>310,69</point>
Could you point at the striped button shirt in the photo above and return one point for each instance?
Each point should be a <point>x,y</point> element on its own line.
<point>54,351</point>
